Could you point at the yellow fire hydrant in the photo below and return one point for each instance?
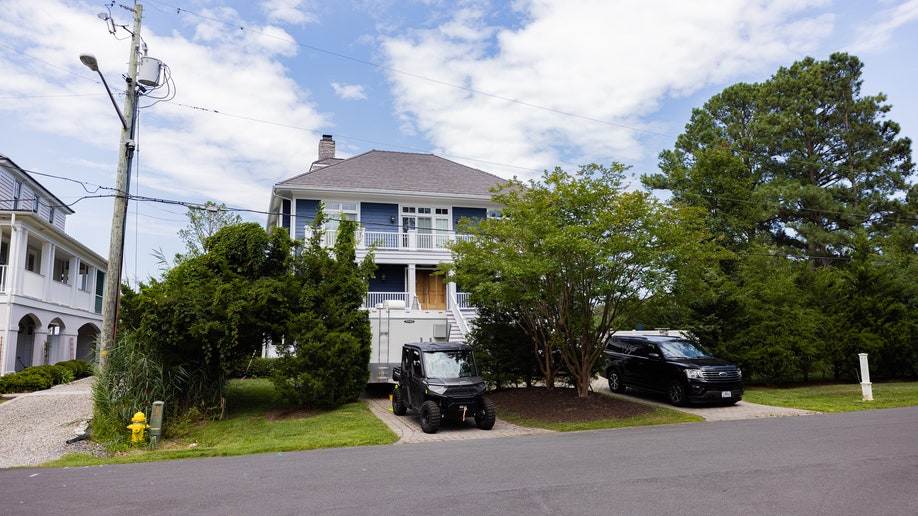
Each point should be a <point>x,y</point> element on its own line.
<point>137,427</point>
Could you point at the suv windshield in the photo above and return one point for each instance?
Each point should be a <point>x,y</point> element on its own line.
<point>449,364</point>
<point>682,349</point>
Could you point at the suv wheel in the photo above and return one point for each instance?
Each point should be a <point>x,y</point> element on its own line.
<point>486,415</point>
<point>398,403</point>
<point>430,417</point>
<point>615,381</point>
<point>675,393</point>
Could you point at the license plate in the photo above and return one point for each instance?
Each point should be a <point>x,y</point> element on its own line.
<point>726,394</point>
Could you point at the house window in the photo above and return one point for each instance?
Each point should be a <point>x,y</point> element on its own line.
<point>51,214</point>
<point>30,261</point>
<point>432,225</point>
<point>335,213</point>
<point>35,204</point>
<point>17,192</point>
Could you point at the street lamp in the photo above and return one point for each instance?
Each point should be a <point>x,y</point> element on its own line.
<point>122,184</point>
<point>90,61</point>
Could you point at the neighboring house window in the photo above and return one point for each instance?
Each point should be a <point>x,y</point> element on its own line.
<point>62,270</point>
<point>51,214</point>
<point>84,277</point>
<point>17,192</point>
<point>432,225</point>
<point>35,204</point>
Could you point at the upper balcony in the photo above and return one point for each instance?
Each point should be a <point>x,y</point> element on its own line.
<point>410,240</point>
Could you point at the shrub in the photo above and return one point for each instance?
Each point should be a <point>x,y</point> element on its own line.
<point>60,374</point>
<point>257,367</point>
<point>80,368</point>
<point>28,380</point>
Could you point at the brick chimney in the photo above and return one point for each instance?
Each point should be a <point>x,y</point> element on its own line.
<point>326,147</point>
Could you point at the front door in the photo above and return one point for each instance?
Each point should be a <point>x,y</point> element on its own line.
<point>431,290</point>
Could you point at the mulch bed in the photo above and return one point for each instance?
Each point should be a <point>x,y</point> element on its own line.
<point>561,405</point>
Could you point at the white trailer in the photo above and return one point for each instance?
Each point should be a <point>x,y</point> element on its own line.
<point>394,325</point>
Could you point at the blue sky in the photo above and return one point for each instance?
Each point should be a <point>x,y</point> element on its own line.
<point>510,87</point>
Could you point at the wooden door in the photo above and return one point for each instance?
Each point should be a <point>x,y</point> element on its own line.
<point>431,290</point>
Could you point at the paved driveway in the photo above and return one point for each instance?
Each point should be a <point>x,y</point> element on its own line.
<point>409,429</point>
<point>742,410</point>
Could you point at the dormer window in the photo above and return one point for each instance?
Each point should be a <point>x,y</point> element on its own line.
<point>35,205</point>
<point>51,214</point>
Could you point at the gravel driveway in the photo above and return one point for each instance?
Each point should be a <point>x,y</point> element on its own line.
<point>34,427</point>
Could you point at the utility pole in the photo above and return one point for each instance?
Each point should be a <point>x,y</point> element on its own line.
<point>112,293</point>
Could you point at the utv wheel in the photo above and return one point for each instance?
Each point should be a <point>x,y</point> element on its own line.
<point>675,393</point>
<point>398,403</point>
<point>487,415</point>
<point>615,381</point>
<point>430,417</point>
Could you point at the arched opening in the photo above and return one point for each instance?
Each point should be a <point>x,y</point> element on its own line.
<point>53,344</point>
<point>87,336</point>
<point>25,342</point>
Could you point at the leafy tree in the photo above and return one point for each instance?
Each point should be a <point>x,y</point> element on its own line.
<point>801,161</point>
<point>806,168</point>
<point>211,309</point>
<point>328,340</point>
<point>569,254</point>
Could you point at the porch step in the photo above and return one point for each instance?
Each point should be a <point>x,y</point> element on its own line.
<point>454,334</point>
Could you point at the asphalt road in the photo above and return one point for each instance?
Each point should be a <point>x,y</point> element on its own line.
<point>853,463</point>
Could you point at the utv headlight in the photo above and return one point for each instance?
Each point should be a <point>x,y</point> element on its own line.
<point>437,389</point>
<point>694,374</point>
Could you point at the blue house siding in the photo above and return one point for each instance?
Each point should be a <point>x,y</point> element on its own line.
<point>379,216</point>
<point>394,282</point>
<point>475,214</point>
<point>306,210</point>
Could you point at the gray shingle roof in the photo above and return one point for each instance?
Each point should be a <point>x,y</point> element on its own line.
<point>398,171</point>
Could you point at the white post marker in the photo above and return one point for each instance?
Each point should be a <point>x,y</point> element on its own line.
<point>866,388</point>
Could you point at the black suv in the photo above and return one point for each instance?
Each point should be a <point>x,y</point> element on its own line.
<point>675,366</point>
<point>440,379</point>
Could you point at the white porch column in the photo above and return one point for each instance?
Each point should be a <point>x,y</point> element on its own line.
<point>19,239</point>
<point>39,338</point>
<point>47,268</point>
<point>412,285</point>
<point>450,294</point>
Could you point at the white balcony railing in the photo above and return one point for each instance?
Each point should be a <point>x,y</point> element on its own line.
<point>411,240</point>
<point>375,298</point>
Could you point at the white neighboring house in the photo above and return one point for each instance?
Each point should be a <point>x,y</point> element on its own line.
<point>408,205</point>
<point>50,284</point>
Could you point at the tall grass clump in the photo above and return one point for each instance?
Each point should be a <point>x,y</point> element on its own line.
<point>132,380</point>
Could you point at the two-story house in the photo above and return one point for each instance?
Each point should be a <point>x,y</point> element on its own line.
<point>50,284</point>
<point>408,206</point>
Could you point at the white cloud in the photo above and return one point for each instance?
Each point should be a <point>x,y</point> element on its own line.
<point>349,91</point>
<point>238,123</point>
<point>881,31</point>
<point>609,61</point>
<point>288,11</point>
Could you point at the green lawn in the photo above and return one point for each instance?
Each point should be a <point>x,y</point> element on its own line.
<point>836,397</point>
<point>247,430</point>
